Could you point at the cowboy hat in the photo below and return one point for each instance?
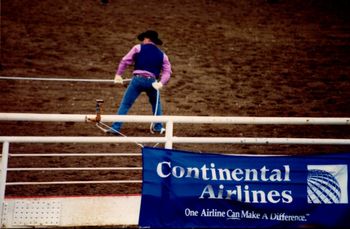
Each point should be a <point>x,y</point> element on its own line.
<point>152,35</point>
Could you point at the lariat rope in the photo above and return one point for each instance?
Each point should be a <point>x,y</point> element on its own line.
<point>104,127</point>
<point>155,112</point>
<point>111,128</point>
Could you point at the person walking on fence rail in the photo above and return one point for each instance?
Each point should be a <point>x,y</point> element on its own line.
<point>152,70</point>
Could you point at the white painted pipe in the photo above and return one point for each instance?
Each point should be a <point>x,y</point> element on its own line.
<point>78,139</point>
<point>176,119</point>
<point>3,174</point>
<point>266,141</point>
<point>75,154</point>
<point>203,140</point>
<point>169,135</point>
<point>76,182</point>
<point>77,169</point>
<point>59,79</point>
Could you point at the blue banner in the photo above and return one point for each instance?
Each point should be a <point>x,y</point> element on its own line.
<point>200,190</point>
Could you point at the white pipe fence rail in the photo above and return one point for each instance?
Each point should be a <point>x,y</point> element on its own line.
<point>177,119</point>
<point>169,139</point>
<point>58,79</point>
<point>74,168</point>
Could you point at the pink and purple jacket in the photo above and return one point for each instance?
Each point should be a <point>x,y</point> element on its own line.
<point>129,58</point>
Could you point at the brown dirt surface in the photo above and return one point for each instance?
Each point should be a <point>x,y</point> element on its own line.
<point>229,58</point>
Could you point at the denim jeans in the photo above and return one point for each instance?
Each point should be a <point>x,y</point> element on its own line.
<point>138,85</point>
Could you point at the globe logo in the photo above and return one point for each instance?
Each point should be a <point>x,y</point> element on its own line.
<point>322,187</point>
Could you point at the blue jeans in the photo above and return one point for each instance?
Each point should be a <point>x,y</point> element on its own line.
<point>137,85</point>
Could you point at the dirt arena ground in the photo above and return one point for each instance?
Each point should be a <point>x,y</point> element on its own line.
<point>287,58</point>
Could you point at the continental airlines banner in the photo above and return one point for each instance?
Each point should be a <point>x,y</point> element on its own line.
<point>188,190</point>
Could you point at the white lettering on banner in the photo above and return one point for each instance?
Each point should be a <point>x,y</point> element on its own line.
<point>244,214</point>
<point>233,214</point>
<point>238,193</point>
<point>285,217</point>
<point>189,212</point>
<point>245,195</point>
<point>160,171</point>
<point>165,169</point>
<point>212,213</point>
<point>337,182</point>
<point>250,215</point>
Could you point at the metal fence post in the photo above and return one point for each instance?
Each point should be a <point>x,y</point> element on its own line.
<point>3,175</point>
<point>169,134</point>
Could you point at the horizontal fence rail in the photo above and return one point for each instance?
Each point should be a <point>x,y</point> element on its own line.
<point>174,139</point>
<point>74,154</point>
<point>75,169</point>
<point>58,79</point>
<point>177,119</point>
<point>168,139</point>
<point>21,169</point>
<point>76,182</point>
